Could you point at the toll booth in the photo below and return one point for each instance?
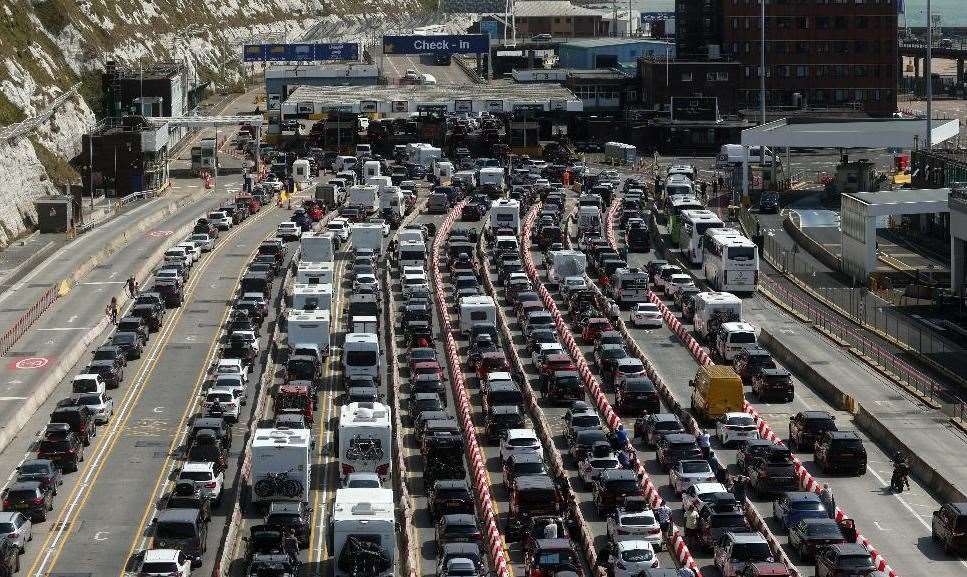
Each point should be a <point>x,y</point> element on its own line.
<point>524,129</point>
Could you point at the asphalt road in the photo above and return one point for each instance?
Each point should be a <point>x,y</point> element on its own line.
<point>394,67</point>
<point>888,520</point>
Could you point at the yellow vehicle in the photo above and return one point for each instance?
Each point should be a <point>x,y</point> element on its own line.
<point>716,390</point>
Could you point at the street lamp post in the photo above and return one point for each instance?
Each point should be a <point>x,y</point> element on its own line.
<point>928,141</point>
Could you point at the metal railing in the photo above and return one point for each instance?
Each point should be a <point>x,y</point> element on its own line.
<point>29,124</point>
<point>20,326</point>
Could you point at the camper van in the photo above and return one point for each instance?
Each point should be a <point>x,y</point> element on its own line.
<point>504,213</point>
<point>280,465</point>
<point>368,514</point>
<point>476,309</point>
<point>316,247</point>
<point>314,273</point>
<point>365,440</point>
<point>371,168</point>
<point>361,356</point>
<point>708,304</point>
<point>312,297</point>
<point>310,330</point>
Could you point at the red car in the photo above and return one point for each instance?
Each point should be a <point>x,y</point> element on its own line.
<point>491,362</point>
<point>426,368</point>
<point>419,355</point>
<point>555,363</point>
<point>593,329</point>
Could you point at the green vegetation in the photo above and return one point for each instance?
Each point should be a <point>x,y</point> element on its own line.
<point>9,114</point>
<point>52,14</point>
<point>59,171</point>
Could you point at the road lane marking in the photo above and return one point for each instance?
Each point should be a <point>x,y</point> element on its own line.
<point>106,444</point>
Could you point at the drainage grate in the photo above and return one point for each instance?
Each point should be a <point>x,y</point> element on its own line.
<point>70,574</point>
<point>213,301</point>
<point>13,310</point>
<point>39,285</point>
<point>228,278</point>
<point>207,325</point>
<point>21,354</point>
<point>160,454</point>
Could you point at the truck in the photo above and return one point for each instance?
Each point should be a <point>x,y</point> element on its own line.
<point>363,197</point>
<point>308,331</point>
<point>204,156</point>
<point>367,235</point>
<point>312,297</point>
<point>565,263</point>
<point>361,517</point>
<point>712,309</point>
<point>316,247</point>
<point>476,309</point>
<point>491,180</point>
<point>365,440</point>
<point>280,465</point>
<point>422,153</point>
<point>371,168</point>
<point>328,195</point>
<point>443,171</point>
<point>504,213</point>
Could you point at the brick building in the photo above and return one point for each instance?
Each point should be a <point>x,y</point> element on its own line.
<point>557,18</point>
<point>819,53</point>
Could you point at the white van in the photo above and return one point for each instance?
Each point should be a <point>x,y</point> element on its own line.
<point>412,253</point>
<point>733,338</point>
<point>361,356</point>
<point>731,154</point>
<point>475,310</point>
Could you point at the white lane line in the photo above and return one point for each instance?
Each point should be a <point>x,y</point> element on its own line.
<point>12,398</point>
<point>65,329</point>
<point>103,282</point>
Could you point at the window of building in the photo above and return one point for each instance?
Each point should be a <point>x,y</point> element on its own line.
<point>820,71</point>
<point>557,20</point>
<point>842,47</point>
<point>747,48</point>
<point>840,22</point>
<point>859,71</point>
<point>784,71</point>
<point>802,71</point>
<point>802,47</point>
<point>748,72</point>
<point>876,96</point>
<point>722,76</point>
<point>859,47</point>
<point>822,48</point>
<point>783,23</point>
<point>567,19</point>
<point>860,22</point>
<point>748,23</point>
<point>822,22</point>
<point>686,76</point>
<point>735,48</point>
<point>802,22</point>
<point>860,95</point>
<point>735,24</point>
<point>839,95</point>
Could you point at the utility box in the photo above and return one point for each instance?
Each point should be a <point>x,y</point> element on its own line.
<point>54,213</point>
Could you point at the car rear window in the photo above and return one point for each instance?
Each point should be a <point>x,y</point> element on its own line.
<point>159,568</point>
<point>820,425</point>
<point>639,520</point>
<point>461,529</point>
<point>623,486</point>
<point>742,338</point>
<point>857,561</point>
<point>21,495</point>
<point>604,463</point>
<point>521,442</point>
<point>7,528</point>
<point>637,555</point>
<point>727,520</point>
<point>170,530</point>
<point>586,421</point>
<point>751,551</point>
<point>195,476</point>
<point>54,446</point>
<point>806,505</point>
<point>848,444</point>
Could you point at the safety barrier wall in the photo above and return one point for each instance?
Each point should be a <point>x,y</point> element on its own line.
<point>20,326</point>
<point>806,480</point>
<point>676,542</point>
<point>478,470</point>
<point>751,513</point>
<point>543,430</point>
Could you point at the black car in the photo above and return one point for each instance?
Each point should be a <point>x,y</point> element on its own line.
<point>523,464</point>
<point>749,451</point>
<point>79,419</point>
<point>30,498</point>
<point>806,426</point>
<point>290,515</point>
<point>109,371</point>
<point>151,298</point>
<point>187,495</point>
<point>172,292</point>
<point>110,352</point>
<point>841,452</point>
<point>949,527</point>
<point>611,488</point>
<point>583,442</point>
<point>675,447</point>
<point>844,560</point>
<point>130,343</point>
<point>499,418</point>
<point>448,497</point>
<point>809,535</point>
<point>636,396</point>
<point>429,383</point>
<point>61,446</point>
<point>653,427</point>
<point>134,325</point>
<point>43,471</point>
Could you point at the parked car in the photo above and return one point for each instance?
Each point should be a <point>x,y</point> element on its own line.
<point>808,536</point>
<point>949,527</point>
<point>844,560</point>
<point>31,498</point>
<point>841,452</point>
<point>791,507</point>
<point>17,527</point>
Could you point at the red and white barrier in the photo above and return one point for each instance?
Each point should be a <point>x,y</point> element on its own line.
<point>701,356</point>
<point>478,469</point>
<point>676,543</point>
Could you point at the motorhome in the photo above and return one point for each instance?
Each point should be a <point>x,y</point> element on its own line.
<point>589,219</point>
<point>280,465</point>
<point>344,163</point>
<point>443,171</point>
<point>314,273</point>
<point>710,306</point>
<point>565,263</point>
<point>361,355</point>
<point>371,168</point>
<point>312,297</point>
<point>476,309</point>
<point>316,247</point>
<point>504,213</point>
<point>367,236</point>
<point>364,516</point>
<point>301,171</point>
<point>309,329</point>
<point>365,439</point>
<point>392,202</point>
<point>364,198</point>
<point>423,153</point>
<point>492,178</point>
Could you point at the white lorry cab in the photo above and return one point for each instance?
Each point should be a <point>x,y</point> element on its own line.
<point>708,305</point>
<point>566,263</point>
<point>475,310</point>
<point>365,440</point>
<point>301,171</point>
<point>369,515</point>
<point>361,356</point>
<point>312,297</point>
<point>280,465</point>
<point>314,273</point>
<point>412,253</point>
<point>316,247</point>
<point>309,330</point>
<point>504,213</point>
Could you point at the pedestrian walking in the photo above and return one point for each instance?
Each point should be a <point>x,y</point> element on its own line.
<point>738,487</point>
<point>705,443</point>
<point>292,545</point>
<point>621,436</point>
<point>664,515</point>
<point>112,310</point>
<point>132,287</point>
<point>691,523</point>
<point>829,501</point>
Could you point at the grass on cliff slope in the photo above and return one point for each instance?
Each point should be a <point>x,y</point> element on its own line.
<point>59,171</point>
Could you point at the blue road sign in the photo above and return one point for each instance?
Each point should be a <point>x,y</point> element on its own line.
<point>301,52</point>
<point>437,44</point>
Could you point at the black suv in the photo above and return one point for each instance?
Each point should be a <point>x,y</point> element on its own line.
<point>151,298</point>
<point>448,497</point>
<point>111,353</point>
<point>61,446</point>
<point>636,396</point>
<point>30,498</point>
<point>844,560</point>
<point>676,447</point>
<point>840,451</point>
<point>806,426</point>
<point>109,371</point>
<point>749,362</point>
<point>750,452</point>
<point>79,419</point>
<point>44,471</point>
<point>134,325</point>
<point>172,293</point>
<point>502,417</point>
<point>773,385</point>
<point>652,427</point>
<point>187,495</point>
<point>949,527</point>
<point>130,343</point>
<point>292,515</point>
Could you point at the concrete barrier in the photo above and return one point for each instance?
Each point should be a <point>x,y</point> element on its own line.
<point>819,252</point>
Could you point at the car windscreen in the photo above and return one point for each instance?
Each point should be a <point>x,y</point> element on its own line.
<point>623,486</point>
<point>727,520</point>
<point>751,551</point>
<point>695,467</point>
<point>585,421</point>
<point>361,358</point>
<point>174,530</point>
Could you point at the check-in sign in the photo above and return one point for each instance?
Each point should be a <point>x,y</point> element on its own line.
<point>437,44</point>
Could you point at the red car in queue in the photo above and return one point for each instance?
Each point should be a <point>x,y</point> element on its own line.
<point>490,363</point>
<point>295,396</point>
<point>593,329</point>
<point>553,364</point>
<point>427,368</point>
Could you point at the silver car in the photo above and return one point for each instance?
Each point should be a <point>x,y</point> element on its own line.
<point>17,527</point>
